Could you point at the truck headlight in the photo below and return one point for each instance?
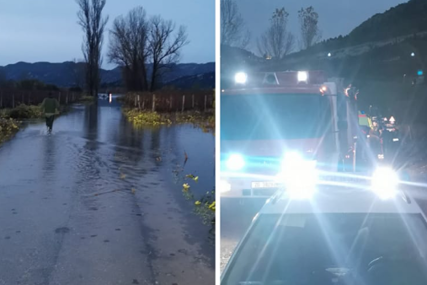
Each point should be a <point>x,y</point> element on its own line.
<point>385,182</point>
<point>235,162</point>
<point>302,76</point>
<point>241,78</point>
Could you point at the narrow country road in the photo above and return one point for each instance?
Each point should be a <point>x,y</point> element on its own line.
<point>95,202</point>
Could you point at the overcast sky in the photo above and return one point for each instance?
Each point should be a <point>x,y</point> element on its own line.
<point>337,17</point>
<point>47,30</point>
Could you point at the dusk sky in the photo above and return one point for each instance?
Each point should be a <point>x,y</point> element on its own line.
<point>336,17</point>
<point>47,30</point>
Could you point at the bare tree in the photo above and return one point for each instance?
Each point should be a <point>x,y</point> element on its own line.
<point>233,26</point>
<point>276,41</point>
<point>93,25</point>
<point>164,46</point>
<point>310,32</point>
<point>129,48</point>
<point>78,70</point>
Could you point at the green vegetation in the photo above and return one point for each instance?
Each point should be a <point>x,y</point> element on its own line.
<point>8,127</point>
<point>205,121</point>
<point>22,112</point>
<point>141,119</point>
<point>205,207</point>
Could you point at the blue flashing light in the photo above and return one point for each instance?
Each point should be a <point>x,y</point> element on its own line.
<point>420,72</point>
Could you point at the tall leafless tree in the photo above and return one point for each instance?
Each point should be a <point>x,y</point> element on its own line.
<point>309,24</point>
<point>276,41</point>
<point>129,40</point>
<point>79,73</point>
<point>93,25</point>
<point>164,46</point>
<point>233,31</point>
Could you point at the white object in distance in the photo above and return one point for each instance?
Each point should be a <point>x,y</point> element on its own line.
<point>413,54</point>
<point>392,120</point>
<point>235,162</point>
<point>241,78</point>
<point>384,183</point>
<point>329,54</point>
<point>302,76</point>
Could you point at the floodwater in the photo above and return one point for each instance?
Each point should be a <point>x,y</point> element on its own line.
<point>98,202</point>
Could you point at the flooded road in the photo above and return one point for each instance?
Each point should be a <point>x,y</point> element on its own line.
<point>97,202</point>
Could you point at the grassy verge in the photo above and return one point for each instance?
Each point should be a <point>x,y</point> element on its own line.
<point>140,119</point>
<point>205,121</point>
<point>23,112</point>
<point>204,206</point>
<point>8,127</point>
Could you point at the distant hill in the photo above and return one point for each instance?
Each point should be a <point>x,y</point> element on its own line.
<point>66,74</point>
<point>200,81</point>
<point>396,25</point>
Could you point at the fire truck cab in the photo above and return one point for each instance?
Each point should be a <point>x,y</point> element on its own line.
<point>274,123</point>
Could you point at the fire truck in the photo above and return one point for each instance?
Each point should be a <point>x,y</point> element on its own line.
<point>278,126</point>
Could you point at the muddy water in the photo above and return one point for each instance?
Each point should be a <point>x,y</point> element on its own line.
<point>98,202</point>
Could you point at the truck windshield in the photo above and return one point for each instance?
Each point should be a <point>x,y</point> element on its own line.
<point>373,249</point>
<point>274,116</point>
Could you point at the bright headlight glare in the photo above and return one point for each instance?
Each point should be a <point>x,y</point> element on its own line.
<point>385,182</point>
<point>299,175</point>
<point>224,186</point>
<point>235,162</point>
<point>241,78</point>
<point>302,76</point>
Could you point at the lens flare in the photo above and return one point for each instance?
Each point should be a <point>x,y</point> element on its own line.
<point>385,182</point>
<point>235,162</point>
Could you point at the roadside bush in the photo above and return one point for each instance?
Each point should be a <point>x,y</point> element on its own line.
<point>25,112</point>
<point>8,127</point>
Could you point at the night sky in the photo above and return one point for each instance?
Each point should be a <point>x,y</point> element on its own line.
<point>337,17</point>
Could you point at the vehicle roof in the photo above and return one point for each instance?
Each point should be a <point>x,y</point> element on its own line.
<point>345,201</point>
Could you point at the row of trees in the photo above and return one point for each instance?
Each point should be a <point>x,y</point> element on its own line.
<point>143,46</point>
<point>277,41</point>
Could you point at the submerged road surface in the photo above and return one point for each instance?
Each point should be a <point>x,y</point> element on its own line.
<point>95,203</point>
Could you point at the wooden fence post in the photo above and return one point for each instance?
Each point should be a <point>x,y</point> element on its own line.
<point>183,103</point>
<point>206,101</point>
<point>135,102</point>
<point>139,102</point>
<point>154,103</point>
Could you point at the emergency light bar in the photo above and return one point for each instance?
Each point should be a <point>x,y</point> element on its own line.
<point>279,79</point>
